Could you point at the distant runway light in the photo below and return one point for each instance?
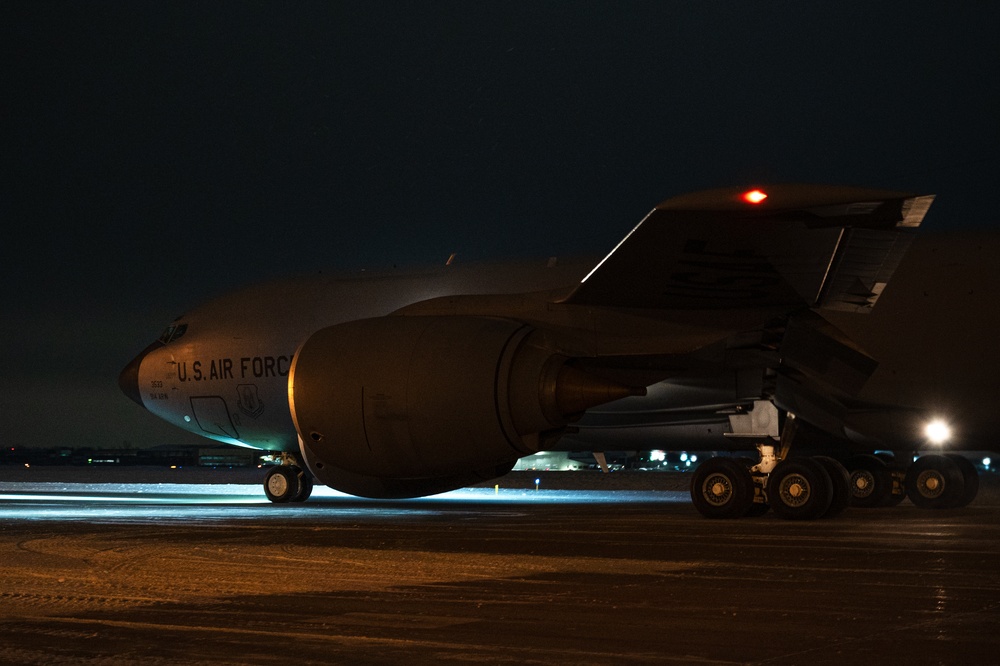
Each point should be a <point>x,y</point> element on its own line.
<point>937,432</point>
<point>754,196</point>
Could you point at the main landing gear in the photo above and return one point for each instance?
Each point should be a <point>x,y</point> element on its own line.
<point>946,481</point>
<point>796,488</point>
<point>288,482</point>
<point>805,488</point>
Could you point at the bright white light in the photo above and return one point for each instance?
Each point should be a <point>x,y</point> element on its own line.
<point>684,457</point>
<point>937,432</point>
<point>657,456</point>
<point>694,458</point>
<point>987,462</point>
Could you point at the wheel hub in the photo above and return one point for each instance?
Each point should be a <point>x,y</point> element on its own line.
<point>278,485</point>
<point>863,483</point>
<point>794,490</point>
<point>930,483</point>
<point>717,489</point>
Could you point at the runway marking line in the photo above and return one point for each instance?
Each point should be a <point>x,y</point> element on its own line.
<point>562,652</point>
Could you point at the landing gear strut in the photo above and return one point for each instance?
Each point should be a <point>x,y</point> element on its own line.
<point>800,488</point>
<point>288,482</point>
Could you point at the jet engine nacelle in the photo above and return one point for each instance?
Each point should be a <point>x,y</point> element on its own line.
<point>397,406</point>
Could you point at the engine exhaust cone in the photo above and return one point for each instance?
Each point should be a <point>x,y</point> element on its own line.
<point>577,391</point>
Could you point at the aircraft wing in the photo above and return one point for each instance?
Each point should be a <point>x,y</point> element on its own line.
<point>791,246</point>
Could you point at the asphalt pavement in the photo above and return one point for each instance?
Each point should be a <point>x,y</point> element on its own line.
<point>213,574</point>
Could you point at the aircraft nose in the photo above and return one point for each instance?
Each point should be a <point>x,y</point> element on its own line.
<point>128,380</point>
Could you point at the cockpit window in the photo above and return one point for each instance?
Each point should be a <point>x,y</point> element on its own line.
<point>173,332</point>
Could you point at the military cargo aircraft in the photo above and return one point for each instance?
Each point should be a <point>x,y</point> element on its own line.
<point>727,320</point>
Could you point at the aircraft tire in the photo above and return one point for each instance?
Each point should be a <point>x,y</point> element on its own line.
<point>305,482</point>
<point>841,480</point>
<point>722,488</point>
<point>935,482</point>
<point>281,484</point>
<point>800,489</point>
<point>970,477</point>
<point>870,481</point>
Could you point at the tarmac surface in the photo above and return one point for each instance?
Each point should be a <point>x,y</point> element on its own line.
<point>188,573</point>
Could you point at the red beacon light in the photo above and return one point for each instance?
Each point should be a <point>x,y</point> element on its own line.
<point>754,196</point>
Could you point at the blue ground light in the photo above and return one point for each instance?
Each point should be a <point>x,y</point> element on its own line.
<point>175,501</point>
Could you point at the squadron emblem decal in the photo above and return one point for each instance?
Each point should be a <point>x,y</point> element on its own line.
<point>249,400</point>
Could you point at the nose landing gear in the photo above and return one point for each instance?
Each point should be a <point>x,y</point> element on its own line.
<point>288,482</point>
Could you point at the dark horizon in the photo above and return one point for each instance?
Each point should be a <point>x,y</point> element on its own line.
<point>159,154</point>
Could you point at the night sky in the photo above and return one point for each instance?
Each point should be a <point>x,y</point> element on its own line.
<point>157,154</point>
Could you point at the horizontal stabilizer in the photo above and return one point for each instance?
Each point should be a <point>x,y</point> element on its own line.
<point>781,246</point>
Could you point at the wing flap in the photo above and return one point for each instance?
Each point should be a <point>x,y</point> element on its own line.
<point>804,245</point>
<point>862,266</point>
